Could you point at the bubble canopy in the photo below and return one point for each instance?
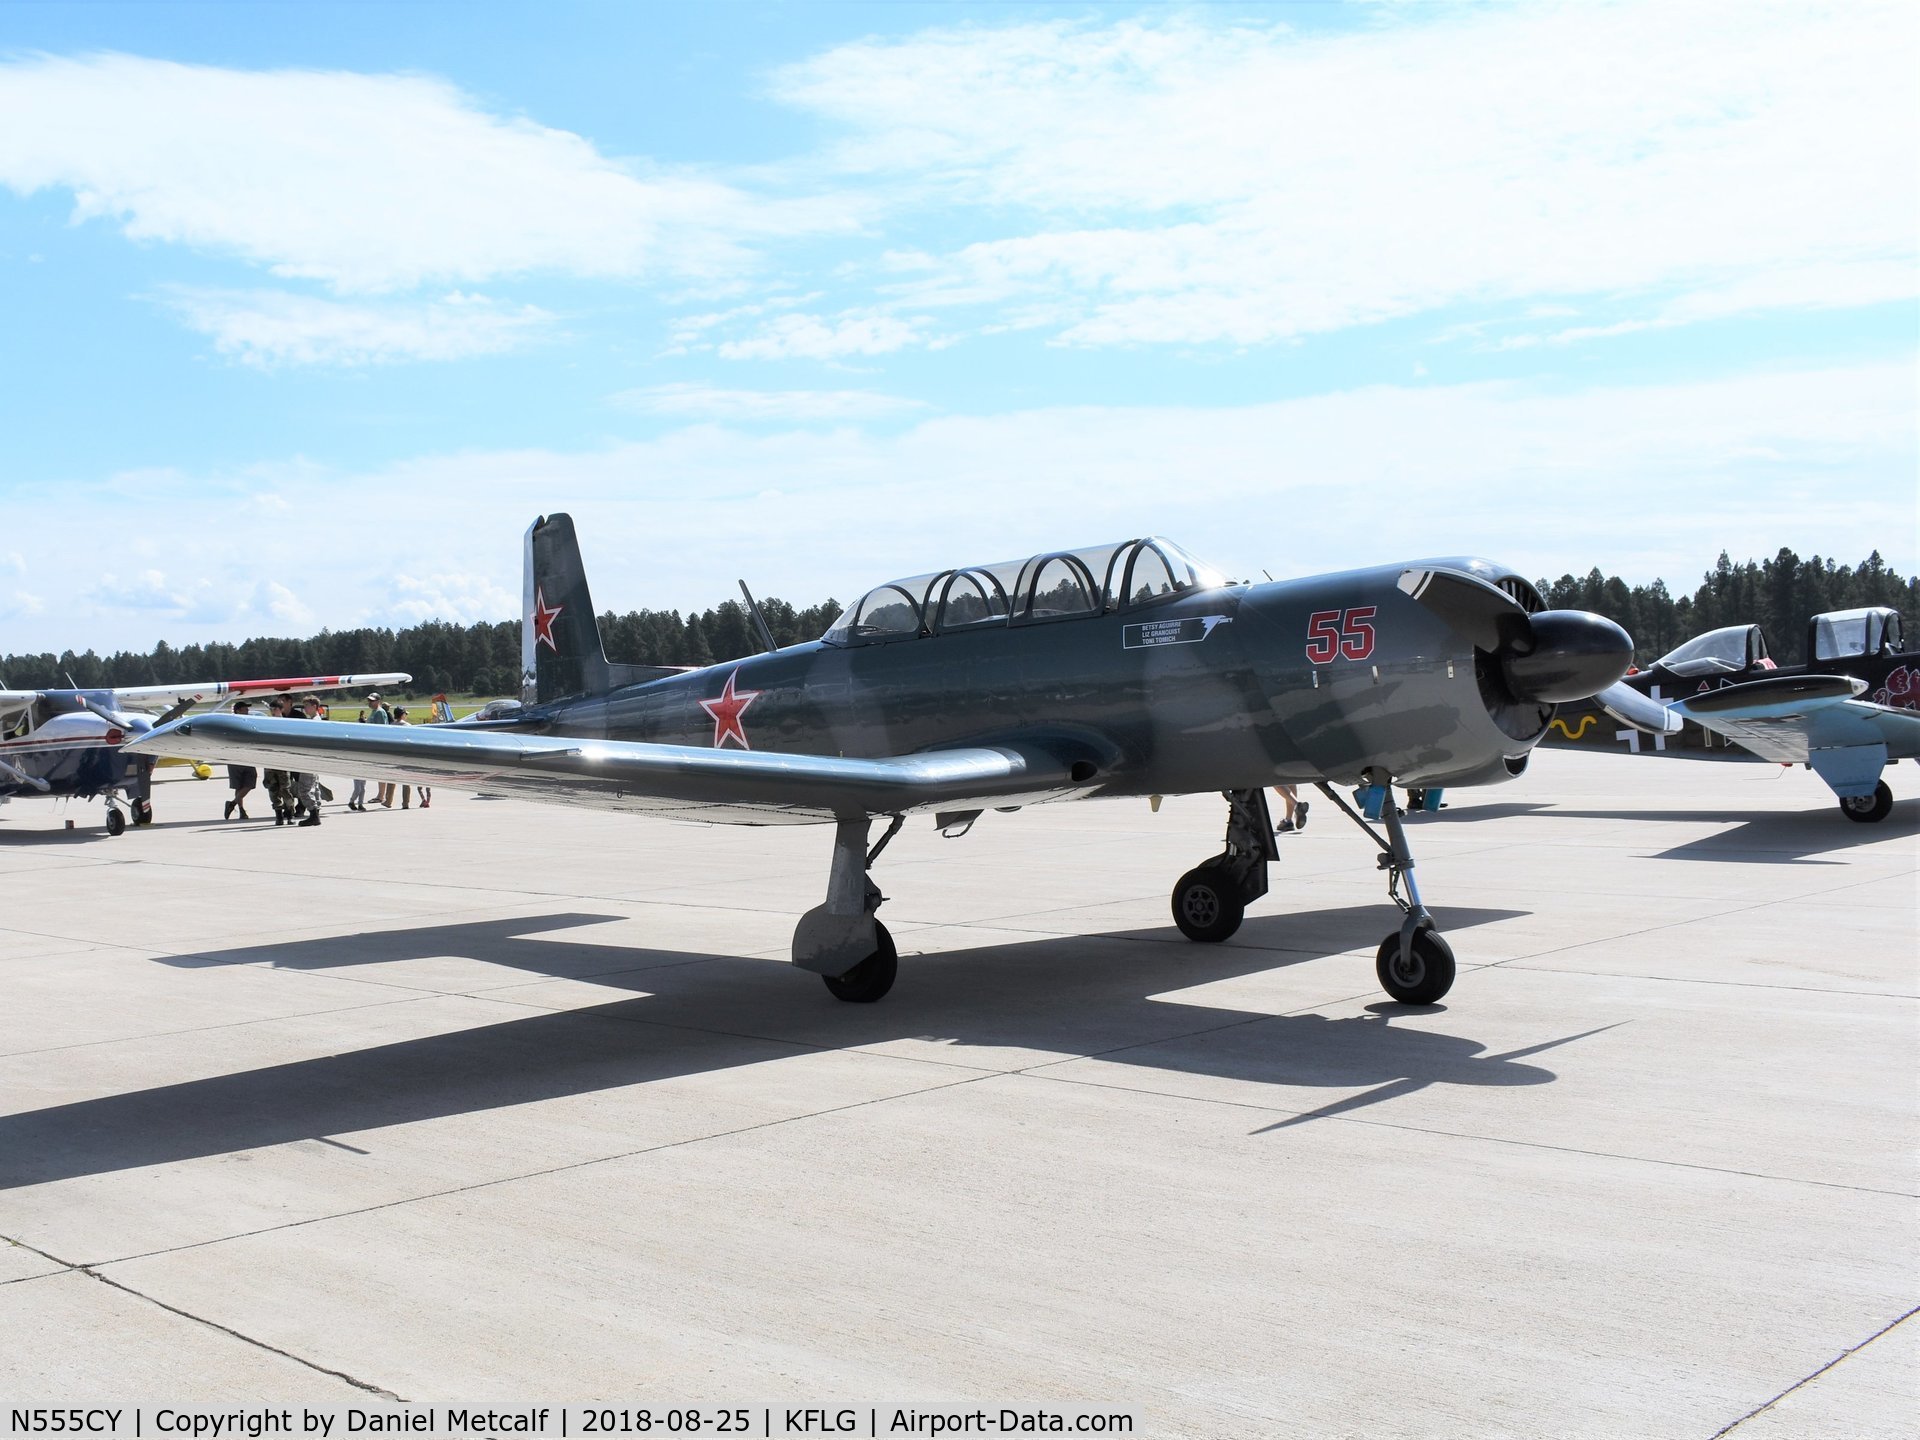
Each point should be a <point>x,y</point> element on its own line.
<point>1056,585</point>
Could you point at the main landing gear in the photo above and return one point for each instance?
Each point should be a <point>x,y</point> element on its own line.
<point>141,807</point>
<point>1210,900</point>
<point>1868,808</point>
<point>840,940</point>
<point>1414,964</point>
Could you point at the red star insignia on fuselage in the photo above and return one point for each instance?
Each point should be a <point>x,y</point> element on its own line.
<point>543,619</point>
<point>726,710</point>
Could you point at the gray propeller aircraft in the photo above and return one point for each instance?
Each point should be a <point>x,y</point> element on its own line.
<point>1128,669</point>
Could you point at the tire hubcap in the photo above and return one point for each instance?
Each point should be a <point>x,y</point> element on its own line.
<point>1203,906</point>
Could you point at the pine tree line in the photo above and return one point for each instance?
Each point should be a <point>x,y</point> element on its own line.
<point>484,658</point>
<point>1780,595</point>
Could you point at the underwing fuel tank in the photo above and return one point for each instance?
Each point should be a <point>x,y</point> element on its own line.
<point>1438,672</point>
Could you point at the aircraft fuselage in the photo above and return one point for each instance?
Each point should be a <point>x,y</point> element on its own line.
<point>1226,688</point>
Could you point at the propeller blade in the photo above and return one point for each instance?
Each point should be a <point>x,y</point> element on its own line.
<point>108,713</point>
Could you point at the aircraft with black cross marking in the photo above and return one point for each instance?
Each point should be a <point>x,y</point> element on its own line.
<point>1127,669</point>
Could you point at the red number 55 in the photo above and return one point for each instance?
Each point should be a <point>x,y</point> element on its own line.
<point>1333,633</point>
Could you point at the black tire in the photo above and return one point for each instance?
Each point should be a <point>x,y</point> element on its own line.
<point>1427,975</point>
<point>142,812</point>
<point>116,822</point>
<point>1868,808</point>
<point>1207,905</point>
<point>872,977</point>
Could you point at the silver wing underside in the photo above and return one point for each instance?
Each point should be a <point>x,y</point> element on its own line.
<point>677,782</point>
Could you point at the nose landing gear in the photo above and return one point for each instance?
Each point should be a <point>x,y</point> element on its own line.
<point>1414,964</point>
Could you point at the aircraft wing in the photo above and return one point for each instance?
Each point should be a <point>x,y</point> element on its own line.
<point>139,696</point>
<point>1817,720</point>
<point>685,782</point>
<point>12,702</point>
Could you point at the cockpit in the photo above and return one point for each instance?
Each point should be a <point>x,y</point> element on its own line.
<point>1056,585</point>
<point>1841,634</point>
<point>1725,651</point>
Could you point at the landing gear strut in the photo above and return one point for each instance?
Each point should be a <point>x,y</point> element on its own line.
<point>1210,900</point>
<point>1414,964</point>
<point>840,940</point>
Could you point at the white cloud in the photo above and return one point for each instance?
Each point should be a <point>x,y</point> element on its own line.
<point>364,182</point>
<point>810,337</point>
<point>274,601</point>
<point>705,402</point>
<point>1641,480</point>
<point>148,590</point>
<point>1199,179</point>
<point>462,596</point>
<point>269,328</point>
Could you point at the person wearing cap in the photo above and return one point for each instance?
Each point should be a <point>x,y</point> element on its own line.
<point>306,784</point>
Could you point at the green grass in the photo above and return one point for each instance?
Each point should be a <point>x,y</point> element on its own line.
<point>345,706</point>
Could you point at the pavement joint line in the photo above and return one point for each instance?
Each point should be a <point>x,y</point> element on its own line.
<point>500,1180</point>
<point>93,1273</point>
<point>1468,1135</point>
<point>1637,934</point>
<point>224,1025</point>
<point>1516,968</point>
<point>1809,1379</point>
<point>805,1046</point>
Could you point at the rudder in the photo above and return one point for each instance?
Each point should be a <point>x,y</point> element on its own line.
<point>560,650</point>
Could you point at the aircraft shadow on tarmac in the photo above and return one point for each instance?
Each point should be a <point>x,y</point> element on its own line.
<point>1071,995</point>
<point>1788,838</point>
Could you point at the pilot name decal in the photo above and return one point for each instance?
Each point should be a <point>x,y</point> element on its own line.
<point>726,709</point>
<point>1189,631</point>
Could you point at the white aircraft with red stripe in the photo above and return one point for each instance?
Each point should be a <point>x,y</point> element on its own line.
<point>62,744</point>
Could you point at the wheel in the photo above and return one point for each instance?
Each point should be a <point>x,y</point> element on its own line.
<point>116,822</point>
<point>872,977</point>
<point>1206,905</point>
<point>1868,808</point>
<point>143,812</point>
<point>1427,974</point>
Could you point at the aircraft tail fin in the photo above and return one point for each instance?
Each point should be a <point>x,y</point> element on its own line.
<point>561,654</point>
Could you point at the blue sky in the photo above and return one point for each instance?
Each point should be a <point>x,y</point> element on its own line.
<point>308,310</point>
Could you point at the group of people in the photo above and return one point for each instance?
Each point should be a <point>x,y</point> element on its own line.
<point>295,795</point>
